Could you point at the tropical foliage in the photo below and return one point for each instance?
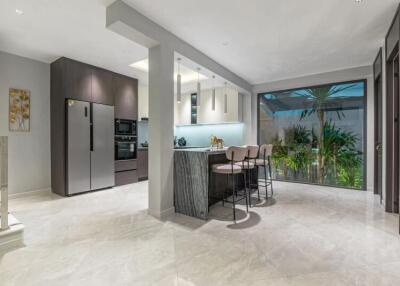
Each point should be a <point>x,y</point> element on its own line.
<point>322,100</point>
<point>296,157</point>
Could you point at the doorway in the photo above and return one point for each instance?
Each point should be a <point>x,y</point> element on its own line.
<point>392,176</point>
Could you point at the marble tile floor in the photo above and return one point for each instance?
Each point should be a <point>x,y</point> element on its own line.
<point>306,235</point>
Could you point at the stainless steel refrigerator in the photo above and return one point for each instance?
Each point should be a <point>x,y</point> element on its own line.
<point>90,146</point>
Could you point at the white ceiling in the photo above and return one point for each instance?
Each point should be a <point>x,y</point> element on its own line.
<point>49,29</point>
<point>270,40</point>
<point>267,39</point>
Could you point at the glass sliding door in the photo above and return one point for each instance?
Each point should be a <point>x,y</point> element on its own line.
<point>318,133</point>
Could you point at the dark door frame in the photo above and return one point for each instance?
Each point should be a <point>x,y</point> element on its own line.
<point>378,94</point>
<point>392,117</point>
<point>365,82</point>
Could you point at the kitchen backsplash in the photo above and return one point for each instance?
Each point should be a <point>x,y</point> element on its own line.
<point>200,135</point>
<point>143,131</point>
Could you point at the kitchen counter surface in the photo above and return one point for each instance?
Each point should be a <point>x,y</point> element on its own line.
<point>203,150</point>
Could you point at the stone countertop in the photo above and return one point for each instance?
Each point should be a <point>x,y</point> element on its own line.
<point>203,150</point>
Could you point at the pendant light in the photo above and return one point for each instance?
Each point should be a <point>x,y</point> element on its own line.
<point>213,94</point>
<point>198,87</point>
<point>178,83</point>
<point>225,100</point>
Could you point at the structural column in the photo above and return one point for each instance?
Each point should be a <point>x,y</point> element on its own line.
<point>161,130</point>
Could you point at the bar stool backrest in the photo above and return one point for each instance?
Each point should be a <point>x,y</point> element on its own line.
<point>236,153</point>
<point>266,150</point>
<point>252,151</point>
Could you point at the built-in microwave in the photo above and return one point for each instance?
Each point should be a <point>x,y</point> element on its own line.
<point>125,127</point>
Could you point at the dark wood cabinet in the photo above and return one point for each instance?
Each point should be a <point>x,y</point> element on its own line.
<point>126,177</point>
<point>84,82</point>
<point>143,164</point>
<point>77,80</point>
<point>125,165</point>
<point>80,81</point>
<point>126,97</point>
<point>102,86</point>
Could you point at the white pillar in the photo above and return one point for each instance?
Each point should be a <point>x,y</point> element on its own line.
<point>161,130</point>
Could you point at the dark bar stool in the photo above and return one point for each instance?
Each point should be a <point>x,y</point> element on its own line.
<point>248,165</point>
<point>265,162</point>
<point>234,155</point>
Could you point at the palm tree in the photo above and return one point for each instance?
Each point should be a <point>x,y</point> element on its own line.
<point>322,100</point>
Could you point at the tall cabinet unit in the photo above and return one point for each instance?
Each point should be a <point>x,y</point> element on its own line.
<point>102,92</point>
<point>126,97</point>
<point>126,107</point>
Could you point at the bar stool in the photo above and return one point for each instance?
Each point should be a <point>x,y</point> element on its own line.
<point>265,162</point>
<point>235,155</point>
<point>248,165</point>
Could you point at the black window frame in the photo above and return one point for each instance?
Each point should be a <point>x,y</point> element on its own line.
<point>365,143</point>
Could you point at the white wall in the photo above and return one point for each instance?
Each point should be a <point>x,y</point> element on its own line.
<point>332,77</point>
<point>29,153</point>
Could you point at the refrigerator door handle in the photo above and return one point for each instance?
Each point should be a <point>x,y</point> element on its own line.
<point>91,127</point>
<point>85,111</point>
<point>91,137</point>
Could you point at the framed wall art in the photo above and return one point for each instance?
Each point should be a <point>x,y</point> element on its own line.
<point>19,110</point>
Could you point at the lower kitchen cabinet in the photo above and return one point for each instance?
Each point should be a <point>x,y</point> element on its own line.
<point>126,172</point>
<point>126,177</point>
<point>143,164</point>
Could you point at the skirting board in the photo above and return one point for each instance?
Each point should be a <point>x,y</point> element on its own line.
<point>161,215</point>
<point>12,237</point>
<point>30,193</point>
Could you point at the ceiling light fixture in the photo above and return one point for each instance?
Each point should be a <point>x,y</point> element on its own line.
<point>198,87</point>
<point>19,12</point>
<point>213,94</point>
<point>142,65</point>
<point>178,83</point>
<point>359,1</point>
<point>225,100</point>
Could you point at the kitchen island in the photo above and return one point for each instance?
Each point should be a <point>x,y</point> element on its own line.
<point>196,188</point>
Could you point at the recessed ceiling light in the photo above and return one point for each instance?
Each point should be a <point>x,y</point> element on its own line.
<point>359,1</point>
<point>142,65</point>
<point>19,12</point>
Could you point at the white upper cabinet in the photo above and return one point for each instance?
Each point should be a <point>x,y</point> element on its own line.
<point>143,102</point>
<point>205,114</point>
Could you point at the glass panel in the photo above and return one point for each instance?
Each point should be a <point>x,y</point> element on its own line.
<point>193,110</point>
<point>317,133</point>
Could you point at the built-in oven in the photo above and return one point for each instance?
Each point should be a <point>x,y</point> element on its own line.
<point>125,147</point>
<point>125,127</point>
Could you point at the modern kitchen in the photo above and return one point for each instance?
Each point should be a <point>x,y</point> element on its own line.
<point>150,142</point>
<point>94,115</point>
<point>99,122</point>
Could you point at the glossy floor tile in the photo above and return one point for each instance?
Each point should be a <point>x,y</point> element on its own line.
<point>305,235</point>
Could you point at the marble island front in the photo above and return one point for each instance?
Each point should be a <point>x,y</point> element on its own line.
<point>195,187</point>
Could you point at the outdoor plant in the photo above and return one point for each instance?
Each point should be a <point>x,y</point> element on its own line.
<point>349,168</point>
<point>340,154</point>
<point>279,156</point>
<point>298,140</point>
<point>322,101</point>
